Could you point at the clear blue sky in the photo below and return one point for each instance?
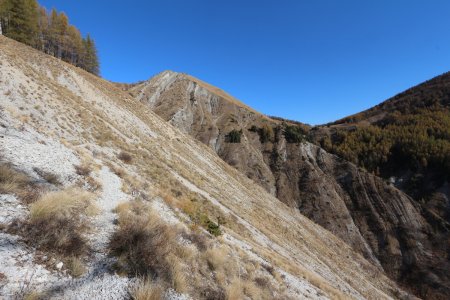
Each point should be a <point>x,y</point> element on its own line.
<point>312,61</point>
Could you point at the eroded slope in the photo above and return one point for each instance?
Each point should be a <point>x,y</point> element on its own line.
<point>373,217</point>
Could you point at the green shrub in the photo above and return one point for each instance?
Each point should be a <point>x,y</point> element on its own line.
<point>213,228</point>
<point>266,134</point>
<point>293,134</point>
<point>234,136</point>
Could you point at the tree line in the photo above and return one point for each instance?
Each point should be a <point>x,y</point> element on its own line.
<point>29,23</point>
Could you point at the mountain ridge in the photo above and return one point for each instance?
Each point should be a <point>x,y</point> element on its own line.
<point>276,155</point>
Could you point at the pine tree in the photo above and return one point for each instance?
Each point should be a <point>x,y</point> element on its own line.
<point>75,45</point>
<point>20,18</point>
<point>53,33</point>
<point>61,29</point>
<point>44,24</point>
<point>90,61</point>
<point>5,14</point>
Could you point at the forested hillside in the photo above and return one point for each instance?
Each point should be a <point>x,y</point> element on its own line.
<point>28,22</point>
<point>406,136</point>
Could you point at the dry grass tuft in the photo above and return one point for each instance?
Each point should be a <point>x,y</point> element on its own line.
<point>235,290</point>
<point>116,169</point>
<point>216,258</point>
<point>19,184</point>
<point>76,266</point>
<point>12,181</point>
<point>94,184</point>
<point>31,194</point>
<point>143,242</point>
<point>146,290</point>
<point>34,296</point>
<point>177,273</point>
<point>83,170</point>
<point>57,221</point>
<point>125,157</point>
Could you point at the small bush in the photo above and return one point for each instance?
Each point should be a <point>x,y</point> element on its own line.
<point>212,227</point>
<point>125,157</point>
<point>198,239</point>
<point>261,282</point>
<point>57,221</point>
<point>234,136</point>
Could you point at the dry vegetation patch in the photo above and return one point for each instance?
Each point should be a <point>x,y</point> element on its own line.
<point>142,242</point>
<point>83,170</point>
<point>11,180</point>
<point>58,221</point>
<point>19,184</point>
<point>166,255</point>
<point>146,290</point>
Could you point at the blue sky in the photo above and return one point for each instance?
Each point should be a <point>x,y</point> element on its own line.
<point>311,61</point>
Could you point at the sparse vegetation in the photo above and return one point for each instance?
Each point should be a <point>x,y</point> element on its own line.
<point>266,133</point>
<point>148,247</point>
<point>94,184</point>
<point>34,296</point>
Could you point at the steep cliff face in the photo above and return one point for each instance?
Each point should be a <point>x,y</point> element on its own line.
<point>373,217</point>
